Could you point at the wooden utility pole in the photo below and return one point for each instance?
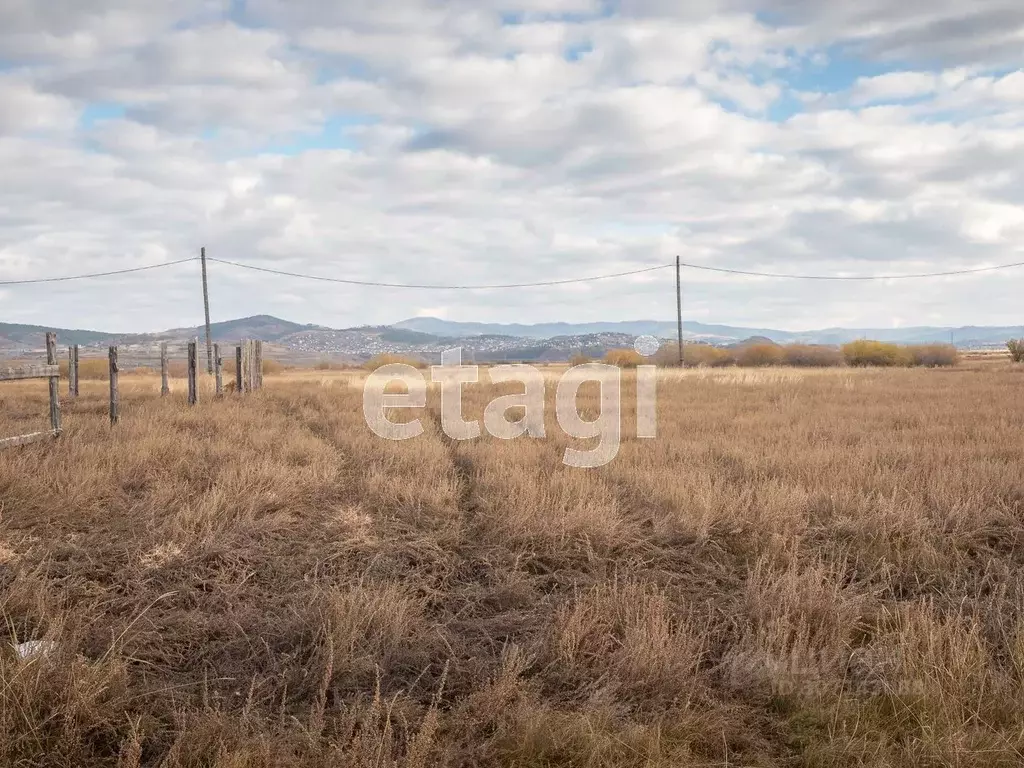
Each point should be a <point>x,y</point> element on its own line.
<point>679,311</point>
<point>206,309</point>
<point>51,359</point>
<point>115,399</point>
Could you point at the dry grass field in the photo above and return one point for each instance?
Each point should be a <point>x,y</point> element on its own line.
<point>805,568</point>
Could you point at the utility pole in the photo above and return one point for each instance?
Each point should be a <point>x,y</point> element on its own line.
<point>206,308</point>
<point>679,310</point>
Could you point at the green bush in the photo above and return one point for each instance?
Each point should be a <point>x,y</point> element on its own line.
<point>1016,347</point>
<point>865,352</point>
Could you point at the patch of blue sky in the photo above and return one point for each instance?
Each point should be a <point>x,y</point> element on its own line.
<point>335,133</point>
<point>99,112</point>
<point>605,9</point>
<point>577,51</point>
<point>837,68</point>
<point>341,68</point>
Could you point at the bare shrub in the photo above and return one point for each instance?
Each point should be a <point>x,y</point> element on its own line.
<point>1016,347</point>
<point>580,360</point>
<point>624,358</point>
<point>812,356</point>
<point>865,352</point>
<point>934,355</point>
<point>760,355</point>
<point>694,355</point>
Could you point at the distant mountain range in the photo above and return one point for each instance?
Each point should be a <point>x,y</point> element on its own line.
<point>967,336</point>
<point>426,336</point>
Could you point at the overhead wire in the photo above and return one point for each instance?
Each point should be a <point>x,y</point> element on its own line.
<point>94,274</point>
<point>377,284</point>
<point>501,286</point>
<point>950,273</point>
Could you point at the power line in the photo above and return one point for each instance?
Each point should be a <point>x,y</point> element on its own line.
<point>852,277</point>
<point>436,287</point>
<point>95,274</point>
<point>539,284</point>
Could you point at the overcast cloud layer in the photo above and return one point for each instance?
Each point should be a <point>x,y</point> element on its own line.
<point>483,141</point>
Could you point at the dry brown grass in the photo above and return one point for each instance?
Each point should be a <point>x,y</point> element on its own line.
<point>805,568</point>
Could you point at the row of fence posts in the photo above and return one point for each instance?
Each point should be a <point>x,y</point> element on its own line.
<point>248,372</point>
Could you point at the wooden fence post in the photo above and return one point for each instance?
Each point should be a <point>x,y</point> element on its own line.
<point>246,366</point>
<point>115,398</point>
<point>259,364</point>
<point>73,370</point>
<point>217,365</point>
<point>192,353</point>
<point>51,359</point>
<point>165,388</point>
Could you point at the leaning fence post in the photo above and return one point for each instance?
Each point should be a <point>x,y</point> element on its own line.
<point>51,359</point>
<point>192,397</point>
<point>165,388</point>
<point>115,399</point>
<point>73,370</point>
<point>217,364</point>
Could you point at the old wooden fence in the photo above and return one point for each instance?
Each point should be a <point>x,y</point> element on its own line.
<point>248,378</point>
<point>49,371</point>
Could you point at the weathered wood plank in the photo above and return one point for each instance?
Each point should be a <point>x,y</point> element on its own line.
<point>35,437</point>
<point>238,370</point>
<point>29,372</point>
<point>51,361</point>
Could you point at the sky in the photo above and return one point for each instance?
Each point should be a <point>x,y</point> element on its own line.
<point>503,141</point>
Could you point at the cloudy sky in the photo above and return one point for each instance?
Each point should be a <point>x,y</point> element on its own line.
<point>494,141</point>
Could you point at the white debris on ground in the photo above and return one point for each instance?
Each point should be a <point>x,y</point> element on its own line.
<point>33,648</point>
